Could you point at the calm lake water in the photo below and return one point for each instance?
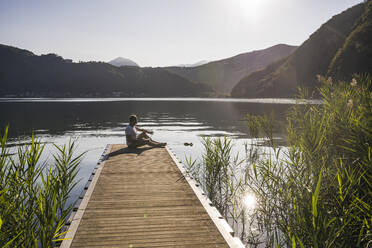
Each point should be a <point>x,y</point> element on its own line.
<point>98,122</point>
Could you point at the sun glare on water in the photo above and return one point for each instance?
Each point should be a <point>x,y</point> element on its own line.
<point>249,201</point>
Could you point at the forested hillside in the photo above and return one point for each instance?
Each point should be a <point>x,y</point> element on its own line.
<point>23,73</point>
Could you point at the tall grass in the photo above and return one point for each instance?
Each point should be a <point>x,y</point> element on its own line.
<point>217,173</point>
<point>33,194</point>
<point>318,193</point>
<point>314,193</point>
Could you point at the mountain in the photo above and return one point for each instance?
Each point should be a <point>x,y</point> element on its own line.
<point>120,61</point>
<point>343,40</point>
<point>224,74</point>
<point>202,62</point>
<point>23,73</point>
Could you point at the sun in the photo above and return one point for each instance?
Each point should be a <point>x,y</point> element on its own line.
<point>251,9</point>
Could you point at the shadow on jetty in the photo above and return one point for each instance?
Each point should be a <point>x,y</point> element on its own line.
<point>127,150</point>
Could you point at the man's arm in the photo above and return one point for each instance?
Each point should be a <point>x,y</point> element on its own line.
<point>140,129</point>
<point>144,130</point>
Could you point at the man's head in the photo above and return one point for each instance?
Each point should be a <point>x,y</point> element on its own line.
<point>133,120</point>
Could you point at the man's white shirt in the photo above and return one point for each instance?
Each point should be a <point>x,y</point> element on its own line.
<point>131,132</point>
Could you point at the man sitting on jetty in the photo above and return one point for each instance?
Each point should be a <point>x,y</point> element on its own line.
<point>134,140</point>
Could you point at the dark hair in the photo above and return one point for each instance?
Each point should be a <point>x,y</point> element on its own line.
<point>132,118</point>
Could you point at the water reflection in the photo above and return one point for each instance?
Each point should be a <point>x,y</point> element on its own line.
<point>98,122</point>
<point>249,201</point>
<point>57,118</point>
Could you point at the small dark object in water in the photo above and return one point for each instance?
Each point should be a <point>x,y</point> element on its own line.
<point>188,144</point>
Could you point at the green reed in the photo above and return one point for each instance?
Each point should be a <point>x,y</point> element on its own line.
<point>316,192</point>
<point>218,174</point>
<point>33,194</point>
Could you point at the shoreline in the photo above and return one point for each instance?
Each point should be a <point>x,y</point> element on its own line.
<point>170,99</point>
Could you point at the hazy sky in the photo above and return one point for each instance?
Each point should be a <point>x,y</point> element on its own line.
<point>160,32</point>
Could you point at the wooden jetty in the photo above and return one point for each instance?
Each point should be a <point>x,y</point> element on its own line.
<point>143,198</point>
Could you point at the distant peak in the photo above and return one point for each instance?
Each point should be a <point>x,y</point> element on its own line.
<point>120,61</point>
<point>202,62</point>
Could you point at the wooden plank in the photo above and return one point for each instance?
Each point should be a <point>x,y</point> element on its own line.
<point>141,198</point>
